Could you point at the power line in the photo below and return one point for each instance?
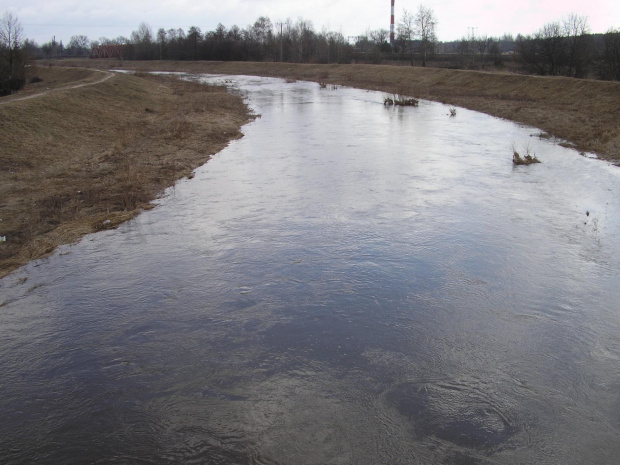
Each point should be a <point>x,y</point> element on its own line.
<point>70,25</point>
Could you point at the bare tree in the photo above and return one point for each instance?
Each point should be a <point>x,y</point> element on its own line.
<point>161,40</point>
<point>406,34</point>
<point>261,37</point>
<point>330,47</point>
<point>426,31</point>
<point>78,45</point>
<point>262,30</point>
<point>142,39</point>
<point>494,50</point>
<point>465,50</point>
<point>10,42</point>
<point>610,55</point>
<point>481,46</point>
<point>381,38</point>
<point>304,36</point>
<point>194,37</point>
<point>576,31</point>
<point>552,44</point>
<point>486,47</point>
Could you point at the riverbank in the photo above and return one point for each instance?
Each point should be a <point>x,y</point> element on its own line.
<point>585,113</point>
<point>79,158</point>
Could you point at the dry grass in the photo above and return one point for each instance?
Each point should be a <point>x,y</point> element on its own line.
<point>528,159</point>
<point>400,100</point>
<point>53,78</point>
<point>73,159</point>
<point>584,112</point>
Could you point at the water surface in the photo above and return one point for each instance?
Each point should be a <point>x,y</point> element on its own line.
<point>348,283</point>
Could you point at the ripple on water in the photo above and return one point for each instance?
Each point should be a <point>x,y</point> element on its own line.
<point>455,412</point>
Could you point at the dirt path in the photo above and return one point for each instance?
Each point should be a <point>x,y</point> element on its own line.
<point>17,97</point>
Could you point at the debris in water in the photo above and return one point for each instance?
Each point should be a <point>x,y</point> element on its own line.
<point>400,100</point>
<point>527,160</point>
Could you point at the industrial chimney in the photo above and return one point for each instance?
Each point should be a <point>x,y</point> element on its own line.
<point>392,26</point>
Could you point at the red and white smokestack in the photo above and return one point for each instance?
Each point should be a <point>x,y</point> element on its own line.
<point>392,26</point>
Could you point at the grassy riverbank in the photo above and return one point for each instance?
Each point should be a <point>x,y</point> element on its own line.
<point>77,160</point>
<point>585,113</point>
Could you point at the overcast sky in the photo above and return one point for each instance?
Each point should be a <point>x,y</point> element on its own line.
<point>43,19</point>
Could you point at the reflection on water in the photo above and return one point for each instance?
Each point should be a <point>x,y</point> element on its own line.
<point>347,284</point>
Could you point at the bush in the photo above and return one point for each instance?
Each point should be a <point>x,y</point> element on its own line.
<point>10,85</point>
<point>35,79</point>
<point>400,100</point>
<point>528,159</point>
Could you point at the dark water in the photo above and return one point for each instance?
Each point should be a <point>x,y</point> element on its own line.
<point>347,284</point>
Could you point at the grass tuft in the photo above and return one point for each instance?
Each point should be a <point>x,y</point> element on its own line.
<point>400,100</point>
<point>528,159</point>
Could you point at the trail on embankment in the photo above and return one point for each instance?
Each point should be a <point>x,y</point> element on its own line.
<point>98,75</point>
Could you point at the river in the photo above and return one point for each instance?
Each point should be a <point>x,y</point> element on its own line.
<point>347,284</point>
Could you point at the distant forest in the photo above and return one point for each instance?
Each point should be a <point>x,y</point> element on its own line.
<point>563,48</point>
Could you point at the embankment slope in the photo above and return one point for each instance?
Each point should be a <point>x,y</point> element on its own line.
<point>77,160</point>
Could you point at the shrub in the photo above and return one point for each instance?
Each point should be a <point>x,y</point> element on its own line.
<point>400,100</point>
<point>10,85</point>
<point>528,159</point>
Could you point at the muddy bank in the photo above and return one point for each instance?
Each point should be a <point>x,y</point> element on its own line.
<point>77,160</point>
<point>586,113</point>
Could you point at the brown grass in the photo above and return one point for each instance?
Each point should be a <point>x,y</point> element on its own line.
<point>584,112</point>
<point>76,161</point>
<point>528,159</point>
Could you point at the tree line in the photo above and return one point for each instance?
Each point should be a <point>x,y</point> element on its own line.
<point>565,48</point>
<point>12,57</point>
<point>288,41</point>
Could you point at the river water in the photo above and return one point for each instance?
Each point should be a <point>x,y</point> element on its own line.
<point>347,284</point>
